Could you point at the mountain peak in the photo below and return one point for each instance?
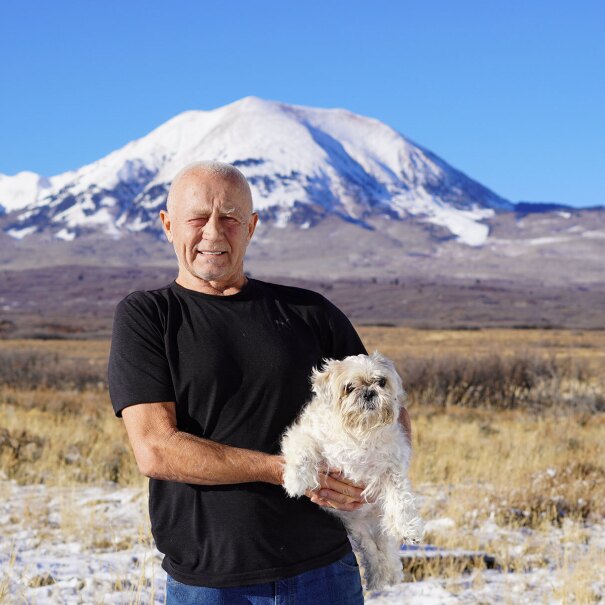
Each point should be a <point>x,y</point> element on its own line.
<point>303,164</point>
<point>254,102</point>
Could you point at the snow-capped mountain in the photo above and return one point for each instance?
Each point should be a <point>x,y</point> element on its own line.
<point>303,164</point>
<point>18,191</point>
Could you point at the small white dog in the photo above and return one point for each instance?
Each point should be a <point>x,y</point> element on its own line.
<point>351,424</point>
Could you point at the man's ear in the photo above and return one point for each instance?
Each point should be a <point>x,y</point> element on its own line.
<point>252,224</point>
<point>165,218</point>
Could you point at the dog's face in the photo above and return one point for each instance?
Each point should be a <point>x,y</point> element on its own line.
<point>365,390</point>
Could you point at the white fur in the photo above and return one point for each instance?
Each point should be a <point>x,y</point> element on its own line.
<point>344,427</point>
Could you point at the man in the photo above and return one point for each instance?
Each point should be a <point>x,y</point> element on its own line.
<point>207,373</point>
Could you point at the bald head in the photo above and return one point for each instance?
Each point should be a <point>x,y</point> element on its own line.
<point>209,220</point>
<point>200,172</point>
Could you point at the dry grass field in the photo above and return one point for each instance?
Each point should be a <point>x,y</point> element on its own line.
<point>509,442</point>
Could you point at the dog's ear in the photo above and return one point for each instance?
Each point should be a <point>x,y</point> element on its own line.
<point>389,368</point>
<point>320,379</point>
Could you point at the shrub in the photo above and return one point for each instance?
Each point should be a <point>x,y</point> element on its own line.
<point>517,381</point>
<point>30,369</point>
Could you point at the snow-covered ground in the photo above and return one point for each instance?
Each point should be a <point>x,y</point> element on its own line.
<point>93,545</point>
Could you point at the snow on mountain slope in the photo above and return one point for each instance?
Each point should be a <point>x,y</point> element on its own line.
<point>20,190</point>
<point>302,164</point>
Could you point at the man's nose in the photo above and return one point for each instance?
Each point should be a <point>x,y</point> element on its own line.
<point>213,228</point>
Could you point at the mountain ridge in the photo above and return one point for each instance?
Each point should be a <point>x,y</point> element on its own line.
<point>302,163</point>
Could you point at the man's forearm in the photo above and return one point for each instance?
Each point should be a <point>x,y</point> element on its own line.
<point>164,452</point>
<point>187,458</point>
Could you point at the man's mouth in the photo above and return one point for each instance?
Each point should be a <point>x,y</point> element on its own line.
<point>211,253</point>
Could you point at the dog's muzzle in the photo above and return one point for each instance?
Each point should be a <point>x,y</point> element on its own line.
<point>369,396</point>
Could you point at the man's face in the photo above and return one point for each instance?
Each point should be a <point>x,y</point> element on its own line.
<point>210,225</point>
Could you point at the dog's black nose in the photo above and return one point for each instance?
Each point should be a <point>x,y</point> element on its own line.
<point>369,394</point>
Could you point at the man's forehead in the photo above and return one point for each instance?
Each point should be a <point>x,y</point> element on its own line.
<point>223,209</point>
<point>204,193</point>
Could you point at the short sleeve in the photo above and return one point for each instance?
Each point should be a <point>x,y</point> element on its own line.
<point>138,367</point>
<point>344,338</point>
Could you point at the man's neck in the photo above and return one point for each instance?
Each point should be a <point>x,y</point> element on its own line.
<point>214,288</point>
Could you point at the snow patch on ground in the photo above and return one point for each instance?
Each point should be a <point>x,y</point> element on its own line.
<point>77,545</point>
<point>93,544</point>
<point>466,229</point>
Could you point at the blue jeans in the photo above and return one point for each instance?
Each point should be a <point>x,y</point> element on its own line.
<point>335,584</point>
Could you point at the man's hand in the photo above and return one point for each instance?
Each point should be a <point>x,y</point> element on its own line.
<point>337,492</point>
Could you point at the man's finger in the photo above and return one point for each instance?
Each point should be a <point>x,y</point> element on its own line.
<point>339,476</point>
<point>352,492</point>
<point>332,500</point>
<point>316,499</point>
<point>338,497</point>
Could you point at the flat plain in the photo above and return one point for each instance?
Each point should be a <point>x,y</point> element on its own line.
<point>78,301</point>
<point>509,454</point>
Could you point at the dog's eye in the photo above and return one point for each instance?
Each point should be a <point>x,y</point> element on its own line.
<point>349,388</point>
<point>381,381</point>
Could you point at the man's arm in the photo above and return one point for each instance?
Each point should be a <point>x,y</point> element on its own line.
<point>164,452</point>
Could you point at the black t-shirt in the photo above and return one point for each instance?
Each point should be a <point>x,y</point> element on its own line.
<point>238,369</point>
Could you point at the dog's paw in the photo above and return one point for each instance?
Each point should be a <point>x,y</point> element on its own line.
<point>374,584</point>
<point>381,579</point>
<point>413,531</point>
<point>395,576</point>
<point>297,481</point>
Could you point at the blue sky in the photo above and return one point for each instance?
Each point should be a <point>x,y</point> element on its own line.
<point>510,92</point>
